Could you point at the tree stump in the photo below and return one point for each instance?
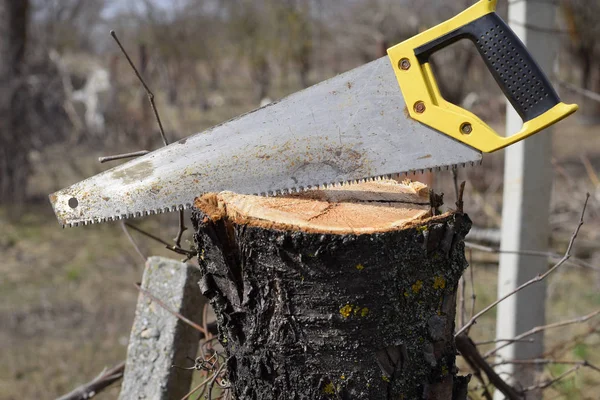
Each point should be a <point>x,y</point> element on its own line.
<point>344,293</point>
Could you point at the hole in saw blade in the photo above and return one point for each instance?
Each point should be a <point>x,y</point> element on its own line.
<point>73,202</point>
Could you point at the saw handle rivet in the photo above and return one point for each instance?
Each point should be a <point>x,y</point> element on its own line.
<point>466,128</point>
<point>404,64</point>
<point>419,107</point>
<point>73,203</point>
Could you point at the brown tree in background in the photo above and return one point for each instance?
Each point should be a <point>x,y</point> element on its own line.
<point>254,38</point>
<point>581,17</point>
<point>14,136</point>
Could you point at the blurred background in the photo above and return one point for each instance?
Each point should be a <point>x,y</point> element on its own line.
<point>68,96</point>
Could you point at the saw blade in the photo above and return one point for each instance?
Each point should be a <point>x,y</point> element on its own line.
<point>351,127</point>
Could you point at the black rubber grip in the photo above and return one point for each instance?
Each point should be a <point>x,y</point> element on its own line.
<point>518,75</point>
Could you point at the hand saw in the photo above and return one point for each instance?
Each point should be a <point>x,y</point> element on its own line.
<point>383,118</point>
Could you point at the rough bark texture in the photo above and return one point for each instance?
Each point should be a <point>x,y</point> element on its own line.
<point>335,316</point>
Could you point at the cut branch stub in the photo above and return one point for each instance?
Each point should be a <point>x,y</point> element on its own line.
<point>343,293</point>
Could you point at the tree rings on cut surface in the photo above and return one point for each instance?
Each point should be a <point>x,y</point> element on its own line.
<point>364,208</point>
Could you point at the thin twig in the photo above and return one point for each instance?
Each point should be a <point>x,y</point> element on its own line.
<point>96,385</point>
<point>543,361</point>
<point>455,180</point>
<point>462,316</point>
<point>166,307</point>
<point>200,363</point>
<point>587,93</point>
<point>208,343</point>
<point>472,282</point>
<point>122,156</point>
<point>459,201</point>
<point>573,261</point>
<point>504,340</point>
<point>151,236</point>
<point>469,352</point>
<point>562,346</point>
<point>537,278</point>
<point>537,329</point>
<point>182,228</point>
<point>212,382</point>
<point>537,28</point>
<point>590,170</point>
<point>194,390</point>
<point>551,382</point>
<point>133,243</point>
<point>148,91</point>
<point>176,249</point>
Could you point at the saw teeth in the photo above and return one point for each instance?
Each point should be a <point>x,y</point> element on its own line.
<point>277,192</point>
<point>338,184</point>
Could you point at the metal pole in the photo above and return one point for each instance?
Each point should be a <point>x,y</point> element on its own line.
<point>527,191</point>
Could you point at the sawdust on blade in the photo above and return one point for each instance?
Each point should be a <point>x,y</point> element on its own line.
<point>361,208</point>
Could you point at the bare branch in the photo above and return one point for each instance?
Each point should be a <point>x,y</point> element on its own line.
<point>176,249</point>
<point>182,228</point>
<point>573,261</point>
<point>148,91</point>
<point>459,201</point>
<point>551,382</point>
<point>543,361</point>
<point>175,313</point>
<point>590,170</point>
<point>536,279</point>
<point>151,236</point>
<point>212,382</point>
<point>455,181</point>
<point>462,315</point>
<point>537,329</point>
<point>122,156</point>
<point>587,93</point>
<point>561,347</point>
<point>98,384</point>
<point>467,349</point>
<point>133,243</point>
<point>194,390</point>
<point>472,282</point>
<point>504,340</point>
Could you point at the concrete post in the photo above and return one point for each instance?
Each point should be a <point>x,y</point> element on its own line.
<point>159,339</point>
<point>527,191</point>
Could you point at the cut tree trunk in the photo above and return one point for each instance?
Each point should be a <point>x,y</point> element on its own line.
<point>345,293</point>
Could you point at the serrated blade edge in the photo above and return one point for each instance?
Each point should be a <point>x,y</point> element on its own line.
<point>280,192</point>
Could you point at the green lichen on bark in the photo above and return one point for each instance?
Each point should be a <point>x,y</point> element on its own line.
<point>323,316</point>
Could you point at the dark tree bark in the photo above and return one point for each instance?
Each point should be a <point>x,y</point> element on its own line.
<point>334,297</point>
<point>14,135</point>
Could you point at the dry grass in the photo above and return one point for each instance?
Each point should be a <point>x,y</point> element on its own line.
<point>67,302</point>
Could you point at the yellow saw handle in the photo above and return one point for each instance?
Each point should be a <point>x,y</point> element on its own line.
<point>514,69</point>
